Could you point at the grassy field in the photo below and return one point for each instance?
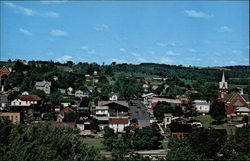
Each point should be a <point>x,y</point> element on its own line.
<point>206,121</point>
<point>97,143</point>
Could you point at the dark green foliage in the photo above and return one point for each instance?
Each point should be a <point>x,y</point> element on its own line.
<point>43,142</point>
<point>163,107</point>
<point>14,80</point>
<point>49,116</point>
<point>190,111</point>
<point>55,97</point>
<point>177,111</point>
<point>94,125</point>
<point>218,111</point>
<point>207,142</point>
<point>180,150</point>
<point>128,88</point>
<point>69,117</point>
<point>138,139</point>
<point>39,93</point>
<point>5,131</point>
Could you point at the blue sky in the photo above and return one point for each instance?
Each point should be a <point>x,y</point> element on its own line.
<point>193,33</point>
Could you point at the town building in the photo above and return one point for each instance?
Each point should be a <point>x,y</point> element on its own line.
<point>4,102</point>
<point>180,130</point>
<point>4,72</point>
<point>202,106</point>
<point>14,117</point>
<point>223,88</point>
<point>44,86</point>
<point>118,124</point>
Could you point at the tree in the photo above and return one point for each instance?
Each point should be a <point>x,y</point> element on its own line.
<point>39,93</point>
<point>218,111</point>
<point>44,142</point>
<point>55,97</point>
<point>49,116</point>
<point>180,150</point>
<point>207,142</point>
<point>177,111</point>
<point>5,131</point>
<point>94,125</point>
<point>162,108</point>
<point>69,117</point>
<point>190,111</point>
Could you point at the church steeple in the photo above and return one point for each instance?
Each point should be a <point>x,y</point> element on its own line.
<point>223,83</point>
<point>223,88</point>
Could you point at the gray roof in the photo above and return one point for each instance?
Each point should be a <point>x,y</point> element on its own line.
<point>4,99</point>
<point>242,109</point>
<point>42,84</point>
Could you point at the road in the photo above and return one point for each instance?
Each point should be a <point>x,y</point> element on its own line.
<point>139,112</point>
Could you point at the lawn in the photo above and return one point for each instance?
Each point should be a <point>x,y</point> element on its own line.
<point>97,143</point>
<point>206,120</point>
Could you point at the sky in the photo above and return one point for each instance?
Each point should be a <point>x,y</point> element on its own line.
<point>205,33</point>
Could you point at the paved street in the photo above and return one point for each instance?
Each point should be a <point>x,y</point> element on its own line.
<point>139,113</point>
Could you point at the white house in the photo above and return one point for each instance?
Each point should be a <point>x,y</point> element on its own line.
<point>201,106</point>
<point>113,97</point>
<point>25,93</point>
<point>65,104</point>
<point>167,119</point>
<point>242,111</point>
<point>79,94</point>
<point>118,124</point>
<point>44,85</point>
<point>70,90</point>
<point>25,101</point>
<point>101,110</point>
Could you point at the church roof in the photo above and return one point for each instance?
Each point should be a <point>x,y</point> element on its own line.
<point>229,97</point>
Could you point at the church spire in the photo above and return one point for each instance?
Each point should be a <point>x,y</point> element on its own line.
<point>223,78</point>
<point>223,83</point>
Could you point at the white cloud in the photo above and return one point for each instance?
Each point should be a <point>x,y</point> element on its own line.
<point>206,42</point>
<point>170,52</point>
<point>52,1</point>
<point>197,14</point>
<point>23,10</point>
<point>192,59</point>
<point>91,51</point>
<point>143,60</point>
<point>101,27</point>
<point>165,60</point>
<point>119,61</point>
<point>135,54</point>
<point>30,12</point>
<point>51,14</point>
<point>50,53</point>
<point>232,62</point>
<point>237,51</point>
<point>192,50</point>
<point>123,50</point>
<point>165,44</point>
<point>26,32</point>
<point>84,47</point>
<point>152,52</point>
<point>58,33</point>
<point>65,58</point>
<point>225,29</point>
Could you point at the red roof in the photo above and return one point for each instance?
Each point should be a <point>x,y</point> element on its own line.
<point>153,105</point>
<point>29,98</point>
<point>118,121</point>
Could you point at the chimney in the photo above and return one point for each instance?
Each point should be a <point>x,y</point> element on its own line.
<point>241,91</point>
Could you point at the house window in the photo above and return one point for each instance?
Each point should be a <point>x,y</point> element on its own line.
<point>20,103</point>
<point>167,119</point>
